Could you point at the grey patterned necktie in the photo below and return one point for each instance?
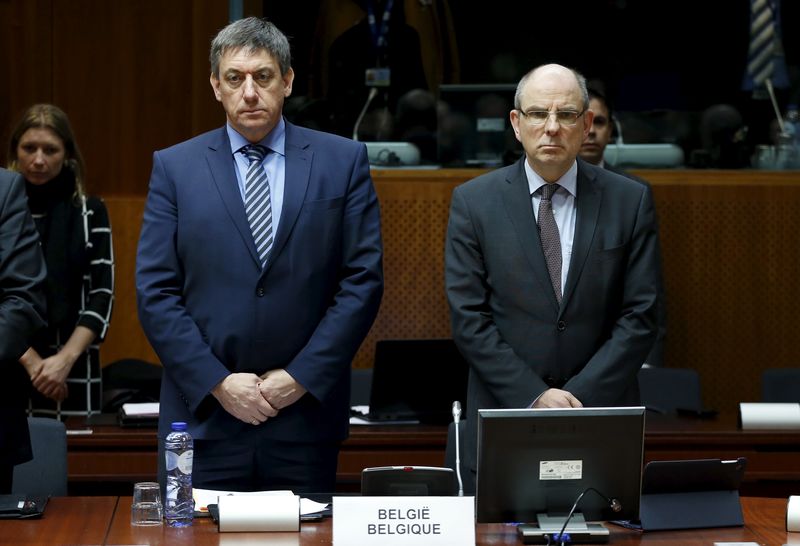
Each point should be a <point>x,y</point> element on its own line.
<point>257,202</point>
<point>551,241</point>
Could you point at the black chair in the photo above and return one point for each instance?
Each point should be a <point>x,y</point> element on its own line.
<point>46,474</point>
<point>780,385</point>
<point>360,386</point>
<point>667,390</point>
<point>130,380</point>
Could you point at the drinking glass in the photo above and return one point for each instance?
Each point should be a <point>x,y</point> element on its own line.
<point>146,508</point>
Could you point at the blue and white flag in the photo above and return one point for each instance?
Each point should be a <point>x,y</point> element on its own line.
<point>765,58</point>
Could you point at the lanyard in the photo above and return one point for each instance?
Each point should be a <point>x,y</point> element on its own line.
<point>380,36</point>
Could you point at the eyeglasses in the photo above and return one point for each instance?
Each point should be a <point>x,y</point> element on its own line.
<point>565,118</point>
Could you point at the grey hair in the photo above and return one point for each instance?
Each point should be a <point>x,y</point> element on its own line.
<point>252,34</point>
<point>578,77</point>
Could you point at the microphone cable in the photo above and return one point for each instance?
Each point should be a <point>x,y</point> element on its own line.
<point>613,503</point>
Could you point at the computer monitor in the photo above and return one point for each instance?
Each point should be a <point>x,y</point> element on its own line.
<point>538,461</point>
<point>474,129</point>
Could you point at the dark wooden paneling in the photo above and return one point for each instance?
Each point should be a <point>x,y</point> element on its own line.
<point>124,72</point>
<point>26,55</point>
<point>731,247</point>
<point>131,74</point>
<point>125,337</point>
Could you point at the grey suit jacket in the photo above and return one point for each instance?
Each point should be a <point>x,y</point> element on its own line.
<point>656,355</point>
<point>505,318</point>
<point>22,304</point>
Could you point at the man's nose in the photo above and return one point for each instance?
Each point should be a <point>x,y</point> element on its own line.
<point>249,88</point>
<point>552,125</point>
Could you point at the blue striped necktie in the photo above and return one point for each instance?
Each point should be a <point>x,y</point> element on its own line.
<point>257,202</point>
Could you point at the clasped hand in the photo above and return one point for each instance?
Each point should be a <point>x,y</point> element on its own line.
<point>48,375</point>
<point>254,399</point>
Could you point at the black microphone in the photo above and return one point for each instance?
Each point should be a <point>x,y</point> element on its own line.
<point>456,420</point>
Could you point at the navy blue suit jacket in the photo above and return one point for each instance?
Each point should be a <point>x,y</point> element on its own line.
<point>209,309</point>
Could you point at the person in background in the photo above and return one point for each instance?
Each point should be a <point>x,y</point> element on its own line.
<point>601,130</point>
<point>22,313</point>
<point>592,151</point>
<point>256,317</point>
<point>550,267</point>
<point>63,362</point>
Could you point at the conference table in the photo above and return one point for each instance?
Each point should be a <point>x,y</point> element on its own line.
<point>107,459</point>
<point>106,520</point>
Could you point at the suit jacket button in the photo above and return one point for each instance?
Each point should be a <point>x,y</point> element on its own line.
<point>561,326</point>
<point>260,292</point>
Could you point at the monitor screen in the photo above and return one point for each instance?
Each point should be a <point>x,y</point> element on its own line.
<point>399,390</point>
<point>474,129</point>
<point>538,461</point>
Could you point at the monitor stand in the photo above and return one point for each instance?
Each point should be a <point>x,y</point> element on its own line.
<point>548,527</point>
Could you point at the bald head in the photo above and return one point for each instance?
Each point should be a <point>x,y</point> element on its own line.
<point>553,71</point>
<point>551,118</point>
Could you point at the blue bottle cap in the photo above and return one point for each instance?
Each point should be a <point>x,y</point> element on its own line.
<point>179,426</point>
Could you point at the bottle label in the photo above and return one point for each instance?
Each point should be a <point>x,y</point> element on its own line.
<point>185,461</point>
<point>182,462</point>
<point>172,460</point>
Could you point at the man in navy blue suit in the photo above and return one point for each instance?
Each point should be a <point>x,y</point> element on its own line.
<point>256,333</point>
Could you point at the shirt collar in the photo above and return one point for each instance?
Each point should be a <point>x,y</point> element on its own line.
<point>274,141</point>
<point>569,180</point>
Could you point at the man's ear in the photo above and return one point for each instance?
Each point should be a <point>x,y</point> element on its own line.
<point>288,79</point>
<point>215,86</point>
<point>514,117</point>
<point>588,117</point>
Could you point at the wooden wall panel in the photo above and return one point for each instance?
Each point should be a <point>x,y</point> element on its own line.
<point>731,245</point>
<point>26,47</point>
<point>131,74</point>
<point>125,338</point>
<point>413,221</point>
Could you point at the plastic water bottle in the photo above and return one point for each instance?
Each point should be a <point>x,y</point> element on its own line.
<point>793,128</point>
<point>179,450</point>
<point>788,156</point>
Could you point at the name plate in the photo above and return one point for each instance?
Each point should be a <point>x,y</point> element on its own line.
<point>390,521</point>
<point>769,416</point>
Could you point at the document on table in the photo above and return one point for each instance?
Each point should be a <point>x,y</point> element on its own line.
<point>145,409</point>
<point>204,497</point>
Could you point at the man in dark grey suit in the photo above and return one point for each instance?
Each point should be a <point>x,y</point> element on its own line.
<point>22,274</point>
<point>530,342</point>
<point>592,151</point>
